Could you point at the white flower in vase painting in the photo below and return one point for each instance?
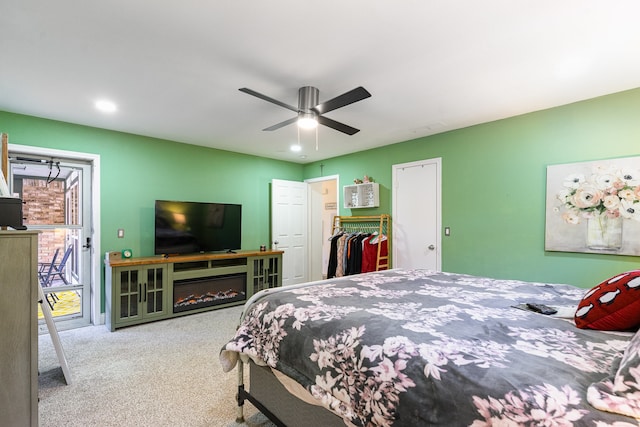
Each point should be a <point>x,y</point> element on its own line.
<point>594,207</point>
<point>606,191</point>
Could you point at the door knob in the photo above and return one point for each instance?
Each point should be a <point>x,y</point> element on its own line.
<point>431,247</point>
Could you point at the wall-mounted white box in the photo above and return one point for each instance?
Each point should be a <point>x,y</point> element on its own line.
<point>365,195</point>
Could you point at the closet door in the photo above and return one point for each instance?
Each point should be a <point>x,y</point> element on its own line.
<point>289,228</point>
<point>417,215</point>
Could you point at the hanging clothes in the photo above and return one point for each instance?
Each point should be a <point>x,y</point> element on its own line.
<point>370,252</point>
<point>333,256</point>
<point>354,250</point>
<point>340,256</point>
<point>347,253</point>
<point>354,264</point>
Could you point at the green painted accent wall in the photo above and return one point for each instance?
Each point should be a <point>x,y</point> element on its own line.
<point>493,182</point>
<point>494,185</point>
<point>137,170</point>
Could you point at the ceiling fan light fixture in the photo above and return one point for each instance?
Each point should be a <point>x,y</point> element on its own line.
<point>307,121</point>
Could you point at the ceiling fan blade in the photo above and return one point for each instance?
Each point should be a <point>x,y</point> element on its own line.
<point>268,99</point>
<point>341,127</point>
<point>354,95</point>
<point>282,124</point>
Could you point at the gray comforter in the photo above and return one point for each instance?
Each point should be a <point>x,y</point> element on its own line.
<point>423,348</point>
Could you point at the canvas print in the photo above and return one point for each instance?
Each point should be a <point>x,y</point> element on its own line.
<point>594,207</point>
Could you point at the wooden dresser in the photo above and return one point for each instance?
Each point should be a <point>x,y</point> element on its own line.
<point>19,328</point>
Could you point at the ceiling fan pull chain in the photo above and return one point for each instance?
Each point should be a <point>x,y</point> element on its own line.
<point>316,138</point>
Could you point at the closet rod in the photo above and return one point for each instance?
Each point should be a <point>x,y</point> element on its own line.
<point>366,218</point>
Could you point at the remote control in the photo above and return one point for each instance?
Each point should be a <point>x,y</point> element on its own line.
<point>541,308</point>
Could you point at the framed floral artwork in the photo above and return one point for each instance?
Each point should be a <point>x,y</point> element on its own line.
<point>594,207</point>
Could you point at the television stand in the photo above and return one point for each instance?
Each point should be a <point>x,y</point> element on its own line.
<point>145,289</point>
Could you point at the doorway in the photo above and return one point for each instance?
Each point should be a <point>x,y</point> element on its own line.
<point>323,207</point>
<point>57,192</point>
<point>416,213</point>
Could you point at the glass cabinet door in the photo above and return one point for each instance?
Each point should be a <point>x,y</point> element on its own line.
<point>258,274</point>
<point>273,272</point>
<point>142,293</point>
<point>154,291</point>
<point>129,298</point>
<point>266,273</point>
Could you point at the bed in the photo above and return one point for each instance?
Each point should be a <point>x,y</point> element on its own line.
<point>417,347</point>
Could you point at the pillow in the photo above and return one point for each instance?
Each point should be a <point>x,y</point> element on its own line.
<point>620,393</point>
<point>613,305</point>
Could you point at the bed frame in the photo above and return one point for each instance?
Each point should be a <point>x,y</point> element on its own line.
<point>276,403</point>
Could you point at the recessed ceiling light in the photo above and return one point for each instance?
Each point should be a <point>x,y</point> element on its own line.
<point>296,147</point>
<point>105,106</point>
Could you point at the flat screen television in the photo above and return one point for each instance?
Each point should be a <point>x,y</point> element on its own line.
<point>194,227</point>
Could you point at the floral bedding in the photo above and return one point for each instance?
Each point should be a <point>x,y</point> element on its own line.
<point>408,348</point>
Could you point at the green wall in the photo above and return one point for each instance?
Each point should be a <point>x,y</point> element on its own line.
<point>493,189</point>
<point>494,183</point>
<point>136,170</point>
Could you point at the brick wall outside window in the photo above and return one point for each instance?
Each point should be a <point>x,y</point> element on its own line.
<point>44,205</point>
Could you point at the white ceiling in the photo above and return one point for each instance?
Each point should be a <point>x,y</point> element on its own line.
<point>174,67</point>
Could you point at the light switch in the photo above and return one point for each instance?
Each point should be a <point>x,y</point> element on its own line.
<point>120,233</point>
<point>447,231</point>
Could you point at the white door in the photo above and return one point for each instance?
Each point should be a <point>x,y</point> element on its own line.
<point>289,228</point>
<point>57,197</point>
<point>416,215</point>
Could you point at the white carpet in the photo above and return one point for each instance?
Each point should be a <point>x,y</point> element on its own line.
<point>163,373</point>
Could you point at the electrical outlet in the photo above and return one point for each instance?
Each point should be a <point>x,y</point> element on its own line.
<point>120,233</point>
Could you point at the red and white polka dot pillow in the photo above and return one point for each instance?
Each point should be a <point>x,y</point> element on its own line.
<point>613,305</point>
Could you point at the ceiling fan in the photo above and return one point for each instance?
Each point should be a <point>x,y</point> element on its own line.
<point>310,111</point>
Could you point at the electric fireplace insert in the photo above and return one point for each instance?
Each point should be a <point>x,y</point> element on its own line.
<point>192,294</point>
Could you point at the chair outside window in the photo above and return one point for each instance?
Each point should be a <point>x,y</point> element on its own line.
<point>49,272</point>
<point>45,267</point>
